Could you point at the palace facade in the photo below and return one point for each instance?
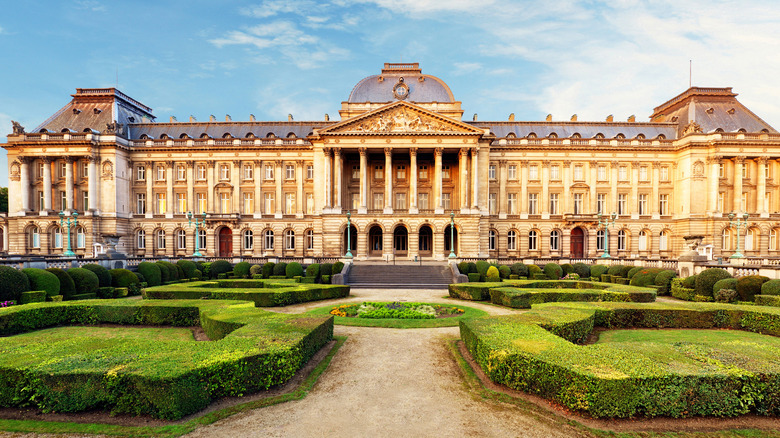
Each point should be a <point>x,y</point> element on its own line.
<point>400,165</point>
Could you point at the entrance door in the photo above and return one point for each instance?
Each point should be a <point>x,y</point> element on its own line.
<point>577,243</point>
<point>400,241</point>
<point>425,241</point>
<point>225,242</point>
<point>375,241</point>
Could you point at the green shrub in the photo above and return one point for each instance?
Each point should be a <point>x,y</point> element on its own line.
<point>205,269</point>
<point>664,280</point>
<point>725,295</point>
<point>750,286</point>
<point>280,269</point>
<point>726,283</point>
<point>689,282</point>
<point>581,269</point>
<point>165,274</point>
<point>633,271</point>
<point>67,287</point>
<point>567,269</point>
<point>472,268</point>
<point>181,275</point>
<point>707,279</point>
<point>85,280</point>
<point>771,287</point>
<point>255,270</point>
<point>12,283</point>
<point>504,271</point>
<point>151,272</point>
<point>598,270</point>
<point>534,270</point>
<point>681,292</point>
<point>123,278</point>
<point>615,270</point>
<point>337,268</point>
<point>109,292</point>
<point>104,278</point>
<point>55,298</point>
<point>325,279</point>
<point>188,267</point>
<point>33,296</point>
<point>293,269</point>
<point>140,276</point>
<point>768,300</point>
<point>197,275</point>
<point>463,267</point>
<point>482,268</point>
<point>241,270</point>
<point>645,277</point>
<point>220,267</point>
<point>268,269</point>
<point>313,270</point>
<point>173,271</point>
<point>553,271</point>
<point>473,277</point>
<point>520,270</point>
<point>326,269</point>
<point>40,279</point>
<point>492,275</point>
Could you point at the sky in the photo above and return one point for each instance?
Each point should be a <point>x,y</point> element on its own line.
<point>272,58</point>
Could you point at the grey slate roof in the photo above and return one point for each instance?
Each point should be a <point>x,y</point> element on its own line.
<point>584,129</point>
<point>219,129</point>
<point>422,88</point>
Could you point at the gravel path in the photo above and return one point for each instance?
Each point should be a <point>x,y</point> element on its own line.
<point>390,383</point>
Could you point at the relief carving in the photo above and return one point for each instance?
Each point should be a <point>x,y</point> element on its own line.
<point>401,120</point>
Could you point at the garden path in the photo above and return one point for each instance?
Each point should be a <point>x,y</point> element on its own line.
<point>391,383</point>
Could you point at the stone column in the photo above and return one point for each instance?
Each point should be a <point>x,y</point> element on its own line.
<point>328,178</point>
<point>24,174</point>
<point>363,209</point>
<point>169,188</point>
<point>279,195</point>
<point>437,204</point>
<point>714,182</point>
<point>592,187</point>
<point>235,181</point>
<point>47,183</point>
<point>613,194</point>
<point>738,163</point>
<point>523,201</point>
<point>545,201</point>
<point>210,194</point>
<point>191,204</point>
<point>761,189</point>
<point>475,178</point>
<point>68,182</point>
<point>149,173</point>
<point>502,189</point>
<point>633,202</point>
<point>258,181</point>
<point>94,198</point>
<point>463,164</point>
<point>413,181</point>
<point>299,193</point>
<point>566,195</point>
<point>388,181</point>
<point>338,173</point>
<point>655,205</point>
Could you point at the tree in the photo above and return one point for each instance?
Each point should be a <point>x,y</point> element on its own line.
<point>3,199</point>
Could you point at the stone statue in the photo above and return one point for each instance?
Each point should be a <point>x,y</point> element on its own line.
<point>114,128</point>
<point>18,128</point>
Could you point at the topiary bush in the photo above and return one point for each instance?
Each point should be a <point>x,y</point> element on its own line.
<point>188,267</point>
<point>520,270</point>
<point>180,271</point>
<point>199,275</point>
<point>293,269</point>
<point>12,283</point>
<point>280,269</point>
<point>241,270</point>
<point>40,279</point>
<point>165,274</point>
<point>726,283</point>
<point>337,267</point>
<point>633,272</point>
<point>645,277</point>
<point>104,278</point>
<point>492,274</point>
<point>255,270</point>
<point>664,279</point>
<point>472,268</point>
<point>85,280</point>
<point>67,287</point>
<point>140,276</point>
<point>689,282</point>
<point>581,269</point>
<point>553,271</point>
<point>268,269</point>
<point>173,271</point>
<point>482,268</point>
<point>771,287</point>
<point>533,270</point>
<point>220,267</point>
<point>598,270</point>
<point>205,269</point>
<point>567,269</point>
<point>463,267</point>
<point>313,270</point>
<point>504,271</point>
<point>151,272</point>
<point>725,295</point>
<point>326,269</point>
<point>707,278</point>
<point>615,270</point>
<point>750,286</point>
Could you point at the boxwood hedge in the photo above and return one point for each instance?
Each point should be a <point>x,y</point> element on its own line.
<point>151,272</point>
<point>86,281</point>
<point>537,352</point>
<point>12,283</point>
<point>67,287</point>
<point>251,350</point>
<point>40,279</point>
<point>104,278</point>
<point>523,293</point>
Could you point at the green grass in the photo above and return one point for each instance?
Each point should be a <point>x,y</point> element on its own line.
<point>452,321</point>
<point>105,335</point>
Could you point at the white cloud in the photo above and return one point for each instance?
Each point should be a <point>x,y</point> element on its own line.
<point>1,30</point>
<point>90,5</point>
<point>417,7</point>
<point>274,34</point>
<point>269,8</point>
<point>466,67</point>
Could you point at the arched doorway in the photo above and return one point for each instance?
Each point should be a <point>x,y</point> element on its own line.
<point>425,241</point>
<point>448,237</point>
<point>225,242</point>
<point>375,241</point>
<point>400,241</point>
<point>352,240</point>
<point>577,243</point>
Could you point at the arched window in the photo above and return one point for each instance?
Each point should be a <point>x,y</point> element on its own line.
<point>202,239</point>
<point>160,239</point>
<point>640,136</point>
<point>268,240</point>
<point>576,135</point>
<point>35,237</point>
<point>81,238</point>
<point>663,241</point>
<point>600,234</point>
<point>750,239</point>
<point>289,239</point>
<point>620,136</point>
<point>144,137</point>
<point>270,135</point>
<point>552,135</point>
<point>643,240</point>
<point>531,135</point>
<point>621,243</point>
<point>773,239</point>
<point>184,136</point>
<point>250,135</point>
<point>140,239</point>
<point>164,137</point>
<point>181,239</point>
<point>511,240</point>
<point>492,240</point>
<point>291,135</point>
<point>227,135</point>
<point>204,135</point>
<point>599,135</point>
<point>57,237</point>
<point>511,135</point>
<point>248,238</point>
<point>309,239</point>
<point>532,240</point>
<point>661,137</point>
<point>725,242</point>
<point>554,240</point>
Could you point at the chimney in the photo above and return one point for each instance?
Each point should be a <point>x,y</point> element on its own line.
<point>475,117</point>
<point>228,118</point>
<point>289,117</point>
<point>192,119</point>
<point>212,118</point>
<point>327,117</point>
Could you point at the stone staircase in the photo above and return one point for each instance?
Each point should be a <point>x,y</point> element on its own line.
<point>408,276</point>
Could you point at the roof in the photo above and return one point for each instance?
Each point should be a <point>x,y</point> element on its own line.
<point>422,88</point>
<point>584,129</point>
<point>219,129</point>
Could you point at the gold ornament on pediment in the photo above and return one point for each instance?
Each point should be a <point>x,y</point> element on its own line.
<point>401,120</point>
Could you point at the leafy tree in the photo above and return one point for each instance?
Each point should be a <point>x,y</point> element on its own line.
<point>3,199</point>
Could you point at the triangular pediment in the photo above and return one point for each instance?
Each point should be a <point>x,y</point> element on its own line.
<point>401,118</point>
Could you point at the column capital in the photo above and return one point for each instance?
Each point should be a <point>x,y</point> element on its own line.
<point>523,164</point>
<point>614,164</point>
<point>190,164</point>
<point>438,152</point>
<point>636,164</point>
<point>566,163</point>
<point>46,160</point>
<point>739,159</point>
<point>24,159</point>
<point>412,152</point>
<point>474,151</point>
<point>762,160</point>
<point>463,152</point>
<point>279,163</point>
<point>90,158</point>
<point>169,164</point>
<point>362,151</point>
<point>326,151</point>
<point>148,163</point>
<point>502,163</point>
<point>656,164</point>
<point>715,159</point>
<point>336,152</point>
<point>545,164</point>
<point>258,163</point>
<point>237,163</point>
<point>69,159</point>
<point>388,152</point>
<point>299,163</point>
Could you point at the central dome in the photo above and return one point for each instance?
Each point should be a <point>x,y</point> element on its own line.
<point>401,82</point>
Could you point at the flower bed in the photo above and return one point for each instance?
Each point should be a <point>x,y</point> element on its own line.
<point>396,310</point>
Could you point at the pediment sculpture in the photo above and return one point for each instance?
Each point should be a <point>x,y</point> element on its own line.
<point>401,120</point>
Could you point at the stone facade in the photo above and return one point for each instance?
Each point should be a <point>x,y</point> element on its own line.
<point>404,164</point>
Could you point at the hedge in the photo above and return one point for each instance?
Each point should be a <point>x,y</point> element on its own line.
<point>706,280</point>
<point>67,287</point>
<point>241,270</point>
<point>293,269</point>
<point>567,269</point>
<point>681,292</point>
<point>313,270</point>
<point>326,269</point>
<point>104,278</point>
<point>138,376</point>
<point>33,296</point>
<point>188,267</point>
<point>771,287</point>
<point>255,270</point>
<point>534,270</point>
<point>123,278</point>
<point>220,267</point>
<point>504,271</point>
<point>598,270</point>
<point>664,280</point>
<point>553,271</point>
<point>726,283</point>
<point>750,286</point>
<point>85,280</point>
<point>474,277</point>
<point>768,300</point>
<point>463,268</point>
<point>581,269</point>
<point>268,269</point>
<point>337,268</point>
<point>165,274</point>
<point>41,279</point>
<point>645,277</point>
<point>12,283</point>
<point>520,270</point>
<point>535,352</point>
<point>151,272</point>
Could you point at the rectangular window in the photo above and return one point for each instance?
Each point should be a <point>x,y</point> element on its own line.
<point>664,173</point>
<point>63,169</point>
<point>269,171</point>
<point>249,171</point>
<point>602,173</point>
<point>63,200</point>
<point>201,172</point>
<point>379,171</point>
<point>601,203</point>
<point>41,166</point>
<point>140,203</point>
<point>492,171</point>
<point>663,204</point>
<point>40,201</point>
<point>85,169</point>
<point>720,201</point>
<point>555,173</point>
<point>422,172</point>
<point>721,170</point>
<point>511,203</point>
<point>181,173</point>
<point>289,172</point>
<point>400,201</point>
<point>744,170</point>
<point>445,172</point>
<point>643,174</point>
<point>224,203</point>
<point>422,201</point>
<point>140,173</point>
<point>512,172</point>
<point>446,201</point>
<point>269,204</point>
<point>553,203</point>
<point>160,173</point>
<point>310,172</point>
<point>379,201</point>
<point>766,171</point>
<point>249,203</point>
<point>642,203</point>
<point>532,203</point>
<point>224,172</point>
<point>400,172</point>
<point>492,203</point>
<point>744,201</point>
<point>355,201</point>
<point>85,200</point>
<point>181,240</point>
<point>578,175</point>
<point>577,203</point>
<point>355,172</point>
<point>310,203</point>
<point>181,203</point>
<point>201,203</point>
<point>621,207</point>
<point>289,203</point>
<point>161,207</point>
<point>533,172</point>
<point>623,173</point>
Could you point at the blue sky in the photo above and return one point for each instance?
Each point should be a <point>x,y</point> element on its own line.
<point>271,58</point>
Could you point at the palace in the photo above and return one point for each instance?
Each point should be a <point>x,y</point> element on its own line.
<point>400,166</point>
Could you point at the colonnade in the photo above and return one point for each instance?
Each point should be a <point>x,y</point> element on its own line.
<point>28,179</point>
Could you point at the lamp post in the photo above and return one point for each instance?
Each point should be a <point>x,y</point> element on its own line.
<point>63,222</point>
<point>197,232</point>
<point>452,236</point>
<point>606,223</point>
<point>739,223</point>
<point>349,237</point>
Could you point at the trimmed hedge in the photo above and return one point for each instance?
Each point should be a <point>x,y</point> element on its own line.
<point>726,283</point>
<point>189,268</point>
<point>707,278</point>
<point>492,275</point>
<point>567,269</point>
<point>123,278</point>
<point>463,268</point>
<point>313,270</point>
<point>474,277</point>
<point>241,270</point>
<point>12,283</point>
<point>67,287</point>
<point>633,271</point>
<point>750,286</point>
<point>85,280</point>
<point>681,292</point>
<point>768,300</point>
<point>337,268</point>
<point>664,280</point>
<point>41,279</point>
<point>553,271</point>
<point>135,376</point>
<point>771,287</point>
<point>482,268</point>
<point>255,270</point>
<point>165,274</point>
<point>33,296</point>
<point>689,282</point>
<point>529,291</point>
<point>645,277</point>
<point>151,272</point>
<point>598,270</point>
<point>326,269</point>
<point>534,270</point>
<point>504,271</point>
<point>293,269</point>
<point>104,278</point>
<point>220,267</point>
<point>519,269</point>
<point>268,269</point>
<point>581,269</point>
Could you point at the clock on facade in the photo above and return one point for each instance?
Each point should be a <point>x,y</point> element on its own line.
<point>401,90</point>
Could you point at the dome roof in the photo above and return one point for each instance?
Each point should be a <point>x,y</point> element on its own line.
<point>389,85</point>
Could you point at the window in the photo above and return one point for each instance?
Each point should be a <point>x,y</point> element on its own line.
<point>721,170</point>
<point>289,239</point>
<point>57,237</point>
<point>600,239</point>
<point>160,239</point>
<point>400,201</point>
<point>84,200</point>
<point>379,201</point>
<point>643,240</point>
<point>181,203</point>
<point>269,171</point>
<point>249,203</point>
<point>379,171</point>
<point>492,171</point>
<point>643,174</point>
<point>726,239</point>
<point>310,202</point>
<point>446,201</point>
<point>621,240</point>
<point>248,239</point>
<point>289,203</point>
<point>664,173</point>
<point>532,203</point>
<point>201,203</point>
<point>224,203</point>
<point>249,171</point>
<point>555,173</point>
<point>511,203</point>
<point>555,239</point>
<point>201,172</point>
<point>181,173</point>
<point>533,172</point>
<point>491,240</point>
<point>621,207</point>
<point>202,239</point>
<point>512,171</point>
<point>578,173</point>
<point>577,205</point>
<point>310,171</point>
<point>224,172</point>
<point>422,201</point>
<point>663,241</point>
<point>445,172</point>
<point>743,202</point>
<point>309,237</point>
<point>422,172</point>
<point>355,172</point>
<point>400,172</point>
<point>268,240</point>
<point>511,240</point>
<point>140,239</point>
<point>744,170</point>
<point>749,236</point>
<point>63,200</point>
<point>767,168</point>
<point>269,206</point>
<point>642,204</point>
<point>140,173</point>
<point>602,173</point>
<point>773,239</point>
<point>492,203</point>
<point>721,195</point>
<point>161,207</point>
<point>63,169</point>
<point>553,203</point>
<point>663,204</point>
<point>160,173</point>
<point>768,201</point>
<point>289,172</point>
<point>532,238</point>
<point>601,203</point>
<point>181,239</point>
<point>41,167</point>
<point>40,201</point>
<point>623,173</point>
